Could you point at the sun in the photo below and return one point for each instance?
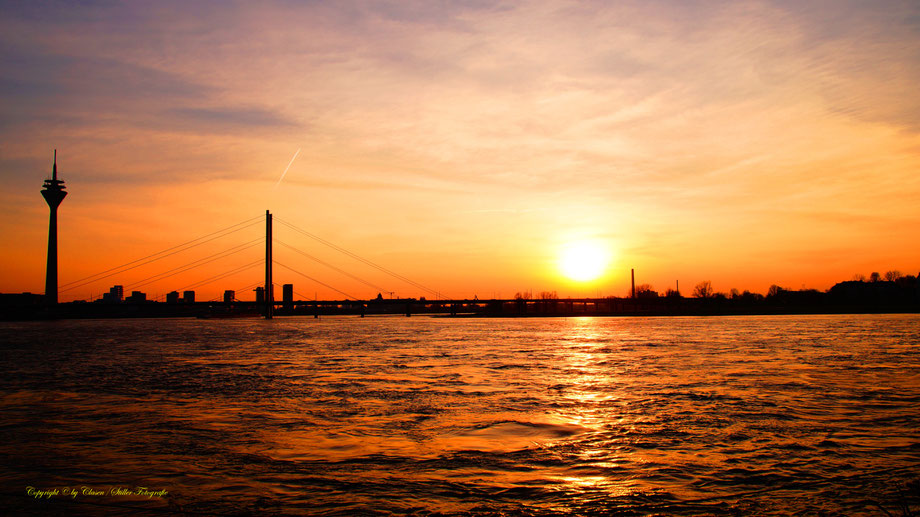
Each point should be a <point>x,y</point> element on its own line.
<point>583,261</point>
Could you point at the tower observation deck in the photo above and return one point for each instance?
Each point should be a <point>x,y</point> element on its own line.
<point>53,192</point>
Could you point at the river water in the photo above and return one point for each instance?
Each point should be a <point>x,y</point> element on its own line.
<point>392,415</point>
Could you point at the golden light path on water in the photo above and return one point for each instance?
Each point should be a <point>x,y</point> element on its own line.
<point>681,416</point>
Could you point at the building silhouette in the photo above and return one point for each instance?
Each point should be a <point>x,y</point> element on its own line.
<point>53,192</point>
<point>172,297</point>
<point>115,295</point>
<point>229,296</point>
<point>188,296</point>
<point>136,297</point>
<point>287,296</point>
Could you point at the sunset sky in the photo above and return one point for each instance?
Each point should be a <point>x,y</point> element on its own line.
<point>464,145</point>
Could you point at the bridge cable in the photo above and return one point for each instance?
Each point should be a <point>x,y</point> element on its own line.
<point>303,297</point>
<point>196,263</point>
<point>315,280</point>
<point>149,258</point>
<point>250,286</point>
<point>357,257</point>
<point>221,276</point>
<point>330,266</point>
<point>219,297</point>
<point>164,251</point>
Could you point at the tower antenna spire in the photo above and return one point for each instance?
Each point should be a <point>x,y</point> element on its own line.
<point>54,192</point>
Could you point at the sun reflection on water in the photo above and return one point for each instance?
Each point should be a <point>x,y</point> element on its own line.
<point>575,415</point>
<point>584,374</point>
<point>586,393</point>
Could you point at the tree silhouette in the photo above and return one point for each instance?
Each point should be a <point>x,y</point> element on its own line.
<point>703,289</point>
<point>893,275</point>
<point>645,291</point>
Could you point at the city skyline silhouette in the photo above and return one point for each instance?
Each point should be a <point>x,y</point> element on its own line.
<point>895,293</point>
<point>902,294</point>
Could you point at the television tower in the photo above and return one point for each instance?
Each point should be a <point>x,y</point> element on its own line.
<point>53,192</point>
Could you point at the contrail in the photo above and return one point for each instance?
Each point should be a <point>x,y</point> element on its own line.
<point>288,167</point>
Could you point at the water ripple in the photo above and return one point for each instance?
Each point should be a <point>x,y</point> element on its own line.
<point>344,416</point>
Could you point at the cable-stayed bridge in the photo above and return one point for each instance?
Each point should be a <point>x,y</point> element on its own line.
<point>236,242</point>
<point>245,259</point>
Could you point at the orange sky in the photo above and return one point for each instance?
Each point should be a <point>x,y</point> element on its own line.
<point>462,145</point>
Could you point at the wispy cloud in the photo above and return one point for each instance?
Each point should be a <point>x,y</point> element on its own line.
<point>692,121</point>
<point>227,118</point>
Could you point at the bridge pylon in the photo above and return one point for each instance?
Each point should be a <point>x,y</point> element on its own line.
<point>269,295</point>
